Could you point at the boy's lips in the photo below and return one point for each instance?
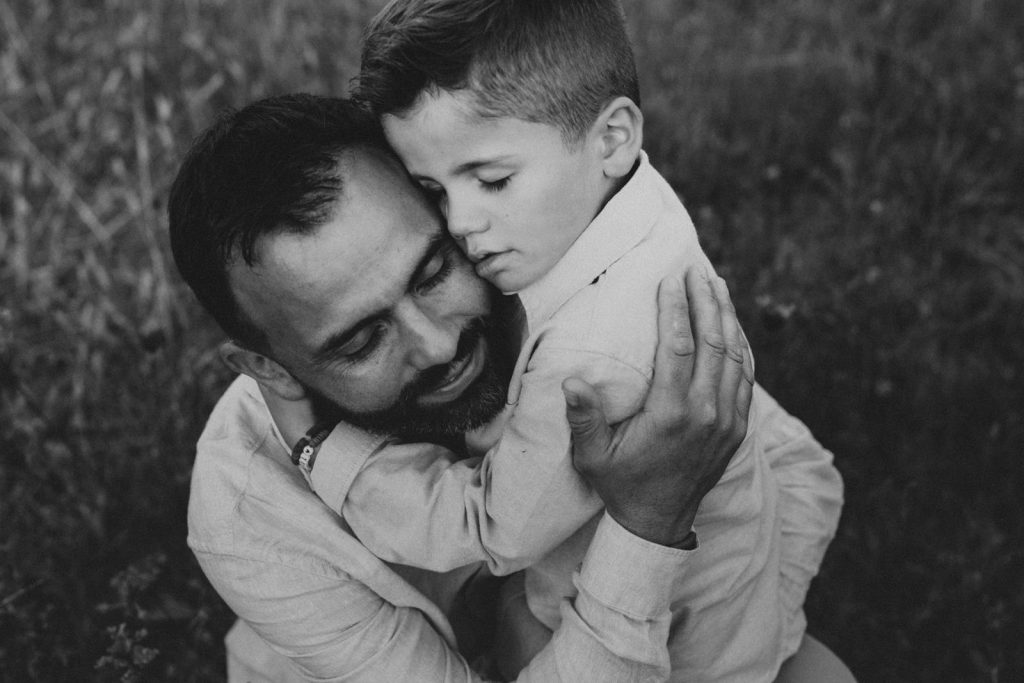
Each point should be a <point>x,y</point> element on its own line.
<point>488,263</point>
<point>459,376</point>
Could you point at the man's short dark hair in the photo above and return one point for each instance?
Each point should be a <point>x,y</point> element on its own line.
<point>273,166</point>
<point>557,62</point>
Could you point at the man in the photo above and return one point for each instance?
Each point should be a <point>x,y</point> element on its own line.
<point>298,230</point>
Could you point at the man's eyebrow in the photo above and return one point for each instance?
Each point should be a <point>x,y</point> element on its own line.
<point>337,340</point>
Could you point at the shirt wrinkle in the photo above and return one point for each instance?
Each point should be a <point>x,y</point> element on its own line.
<point>645,373</point>
<point>280,557</point>
<point>594,316</point>
<point>616,230</point>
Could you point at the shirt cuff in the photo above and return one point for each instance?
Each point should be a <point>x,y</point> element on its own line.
<point>629,574</point>
<point>340,458</point>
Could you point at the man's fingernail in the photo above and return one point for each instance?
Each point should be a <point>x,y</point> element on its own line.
<point>571,398</point>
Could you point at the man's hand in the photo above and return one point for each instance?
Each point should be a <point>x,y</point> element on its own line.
<point>653,469</point>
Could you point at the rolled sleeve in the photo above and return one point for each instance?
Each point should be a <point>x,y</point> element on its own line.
<point>617,626</point>
<point>628,574</point>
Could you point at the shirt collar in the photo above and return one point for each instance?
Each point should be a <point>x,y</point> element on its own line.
<point>623,222</point>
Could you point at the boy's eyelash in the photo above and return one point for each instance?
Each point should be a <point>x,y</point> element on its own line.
<point>495,185</point>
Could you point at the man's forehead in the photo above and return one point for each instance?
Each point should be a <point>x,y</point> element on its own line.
<point>308,285</point>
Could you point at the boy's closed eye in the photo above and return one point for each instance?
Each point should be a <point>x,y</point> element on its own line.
<point>495,185</point>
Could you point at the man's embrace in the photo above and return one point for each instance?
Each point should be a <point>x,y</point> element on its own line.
<point>300,232</point>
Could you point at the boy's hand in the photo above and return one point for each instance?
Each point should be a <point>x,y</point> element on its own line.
<point>653,470</point>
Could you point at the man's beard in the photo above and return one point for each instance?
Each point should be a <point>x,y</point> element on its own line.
<point>481,402</point>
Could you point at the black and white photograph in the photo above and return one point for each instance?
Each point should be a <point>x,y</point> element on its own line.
<point>552,341</point>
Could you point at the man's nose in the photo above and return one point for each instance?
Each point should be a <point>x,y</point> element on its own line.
<point>432,339</point>
<point>464,216</point>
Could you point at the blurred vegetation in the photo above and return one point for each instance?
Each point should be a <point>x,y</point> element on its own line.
<point>855,168</point>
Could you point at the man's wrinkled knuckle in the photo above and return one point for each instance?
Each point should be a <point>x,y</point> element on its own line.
<point>704,416</point>
<point>715,342</point>
<point>581,421</point>
<point>684,346</point>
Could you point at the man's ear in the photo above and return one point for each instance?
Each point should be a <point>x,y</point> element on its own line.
<point>264,370</point>
<point>620,134</point>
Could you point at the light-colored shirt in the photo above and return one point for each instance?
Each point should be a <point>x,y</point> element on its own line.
<point>329,610</point>
<point>738,608</point>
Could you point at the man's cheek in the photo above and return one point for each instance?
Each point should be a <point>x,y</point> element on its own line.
<point>365,392</point>
<point>470,290</point>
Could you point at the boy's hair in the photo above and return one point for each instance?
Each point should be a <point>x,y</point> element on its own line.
<point>273,166</point>
<point>557,62</point>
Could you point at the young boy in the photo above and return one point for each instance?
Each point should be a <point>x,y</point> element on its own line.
<point>522,118</point>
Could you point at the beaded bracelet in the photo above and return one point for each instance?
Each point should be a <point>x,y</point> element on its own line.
<point>304,453</point>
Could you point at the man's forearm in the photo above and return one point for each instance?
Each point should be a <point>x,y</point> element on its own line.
<point>334,628</point>
<point>617,627</point>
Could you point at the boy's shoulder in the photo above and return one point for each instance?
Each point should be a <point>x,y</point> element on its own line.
<point>615,315</point>
<point>623,283</point>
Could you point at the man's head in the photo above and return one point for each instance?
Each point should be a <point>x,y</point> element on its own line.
<point>299,231</point>
<point>521,116</point>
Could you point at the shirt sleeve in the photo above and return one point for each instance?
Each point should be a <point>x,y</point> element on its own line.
<point>810,501</point>
<point>416,504</point>
<point>333,628</point>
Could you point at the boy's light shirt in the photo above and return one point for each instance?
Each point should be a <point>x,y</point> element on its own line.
<point>291,568</point>
<point>594,316</point>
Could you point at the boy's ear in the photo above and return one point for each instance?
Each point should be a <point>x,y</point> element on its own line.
<point>620,131</point>
<point>264,370</point>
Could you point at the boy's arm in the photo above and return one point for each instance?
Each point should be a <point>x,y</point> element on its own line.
<point>417,504</point>
<point>667,458</point>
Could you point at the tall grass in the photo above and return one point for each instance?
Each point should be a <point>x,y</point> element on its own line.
<point>855,168</point>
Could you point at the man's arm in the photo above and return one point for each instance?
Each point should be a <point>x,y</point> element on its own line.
<point>333,628</point>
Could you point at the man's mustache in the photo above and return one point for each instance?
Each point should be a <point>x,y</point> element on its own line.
<point>428,379</point>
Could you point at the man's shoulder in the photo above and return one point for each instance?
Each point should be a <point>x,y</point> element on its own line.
<point>237,434</point>
<point>247,498</point>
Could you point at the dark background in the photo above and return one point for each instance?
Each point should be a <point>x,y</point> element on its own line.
<point>856,171</point>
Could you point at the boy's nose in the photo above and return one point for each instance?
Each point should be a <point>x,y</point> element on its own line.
<point>432,339</point>
<point>463,218</point>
